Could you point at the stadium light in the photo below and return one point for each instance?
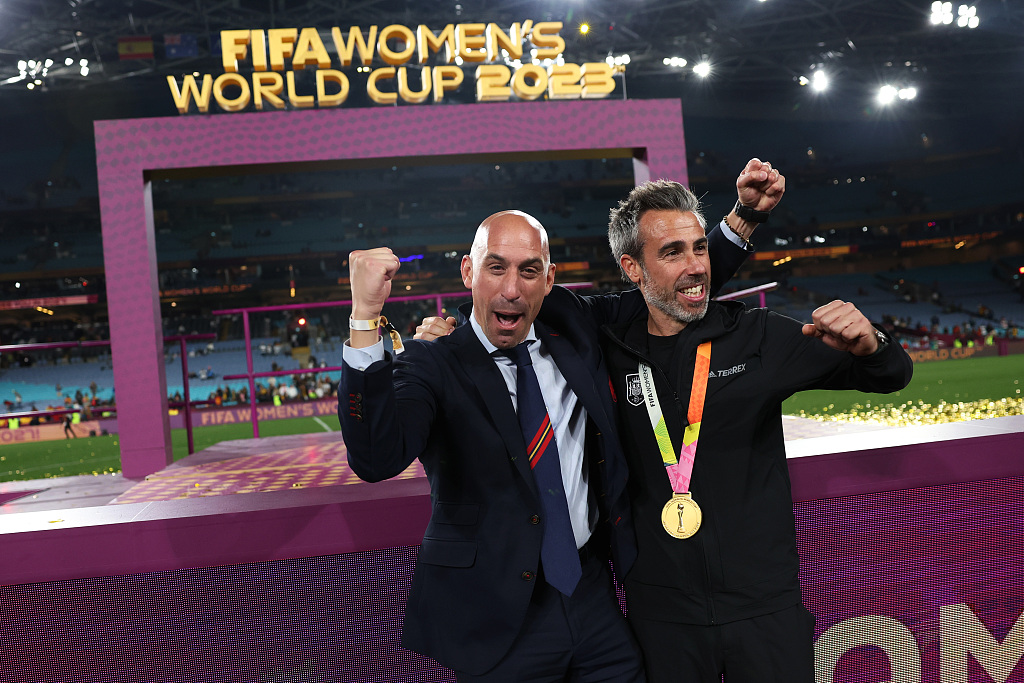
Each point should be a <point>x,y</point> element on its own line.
<point>886,94</point>
<point>584,28</point>
<point>677,62</point>
<point>703,69</point>
<point>942,12</point>
<point>968,16</point>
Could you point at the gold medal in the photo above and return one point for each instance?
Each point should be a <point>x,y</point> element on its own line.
<point>681,516</point>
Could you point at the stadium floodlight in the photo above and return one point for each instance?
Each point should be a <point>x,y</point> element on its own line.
<point>702,69</point>
<point>886,94</point>
<point>968,16</point>
<point>907,93</point>
<point>677,62</point>
<point>584,28</point>
<point>942,12</point>
<point>69,61</point>
<point>819,81</point>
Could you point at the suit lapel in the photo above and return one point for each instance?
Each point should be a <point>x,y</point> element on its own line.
<point>574,370</point>
<point>483,376</point>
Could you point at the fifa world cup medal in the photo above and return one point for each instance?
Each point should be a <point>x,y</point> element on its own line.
<point>681,516</point>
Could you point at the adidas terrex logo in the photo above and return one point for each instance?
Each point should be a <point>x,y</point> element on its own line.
<point>725,373</point>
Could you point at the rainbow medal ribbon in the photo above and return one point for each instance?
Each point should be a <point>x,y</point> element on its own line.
<point>681,515</point>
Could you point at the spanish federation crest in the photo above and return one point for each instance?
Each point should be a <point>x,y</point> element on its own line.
<point>634,392</point>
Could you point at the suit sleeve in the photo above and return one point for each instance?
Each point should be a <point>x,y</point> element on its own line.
<point>726,258</point>
<point>802,362</point>
<point>386,412</point>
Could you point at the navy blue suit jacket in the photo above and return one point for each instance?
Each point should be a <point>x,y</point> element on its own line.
<point>446,403</point>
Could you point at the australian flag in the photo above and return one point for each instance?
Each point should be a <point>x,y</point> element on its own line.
<point>180,45</point>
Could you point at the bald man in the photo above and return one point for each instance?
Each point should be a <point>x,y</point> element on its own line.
<point>483,601</point>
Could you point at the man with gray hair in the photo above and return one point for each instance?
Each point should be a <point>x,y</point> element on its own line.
<point>715,588</point>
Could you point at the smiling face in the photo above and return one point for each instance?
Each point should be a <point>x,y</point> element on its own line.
<point>510,272</point>
<point>675,270</point>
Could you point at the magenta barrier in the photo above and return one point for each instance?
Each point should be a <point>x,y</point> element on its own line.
<point>911,552</point>
<point>131,152</point>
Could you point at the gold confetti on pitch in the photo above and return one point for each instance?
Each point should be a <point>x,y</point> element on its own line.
<point>922,413</point>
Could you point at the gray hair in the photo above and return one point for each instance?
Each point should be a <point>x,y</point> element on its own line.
<point>624,221</point>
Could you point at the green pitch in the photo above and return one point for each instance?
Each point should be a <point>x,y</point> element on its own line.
<point>950,381</point>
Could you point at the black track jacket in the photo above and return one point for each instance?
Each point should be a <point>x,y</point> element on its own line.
<point>743,560</point>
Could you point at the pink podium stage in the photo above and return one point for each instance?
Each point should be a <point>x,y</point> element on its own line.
<point>911,542</point>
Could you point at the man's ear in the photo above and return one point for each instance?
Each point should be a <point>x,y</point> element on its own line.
<point>467,271</point>
<point>631,267</point>
<point>550,279</point>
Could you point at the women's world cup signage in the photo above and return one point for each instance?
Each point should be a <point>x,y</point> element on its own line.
<point>524,62</point>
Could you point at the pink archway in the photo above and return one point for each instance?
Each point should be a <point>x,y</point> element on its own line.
<point>129,153</point>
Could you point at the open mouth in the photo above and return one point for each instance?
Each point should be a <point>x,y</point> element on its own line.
<point>508,321</point>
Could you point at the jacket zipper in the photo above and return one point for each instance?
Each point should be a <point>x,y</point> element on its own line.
<point>679,404</point>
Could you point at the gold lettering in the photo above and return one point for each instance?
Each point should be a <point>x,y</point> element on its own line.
<point>190,90</point>
<point>471,43</point>
<point>268,85</point>
<point>403,35</point>
<point>446,78</point>
<point>546,39</point>
<point>427,42</point>
<point>298,101</point>
<point>259,51</point>
<point>492,83</point>
<point>414,96</point>
<point>233,46</point>
<point>281,44</point>
<point>511,42</point>
<point>235,104</point>
<point>597,80</point>
<point>564,82</point>
<point>309,49</point>
<point>324,76</point>
<point>525,90</point>
<point>374,92</point>
<point>355,37</point>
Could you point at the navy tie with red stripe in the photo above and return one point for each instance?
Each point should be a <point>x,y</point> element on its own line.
<point>558,555</point>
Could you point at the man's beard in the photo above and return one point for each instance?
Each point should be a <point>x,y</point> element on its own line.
<point>665,299</point>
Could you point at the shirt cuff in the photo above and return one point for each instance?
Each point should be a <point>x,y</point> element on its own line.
<point>360,359</point>
<point>732,236</point>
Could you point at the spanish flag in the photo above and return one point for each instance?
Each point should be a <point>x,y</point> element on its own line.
<point>135,47</point>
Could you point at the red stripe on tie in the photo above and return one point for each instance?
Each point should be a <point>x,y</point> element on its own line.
<point>545,423</point>
<point>535,457</point>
